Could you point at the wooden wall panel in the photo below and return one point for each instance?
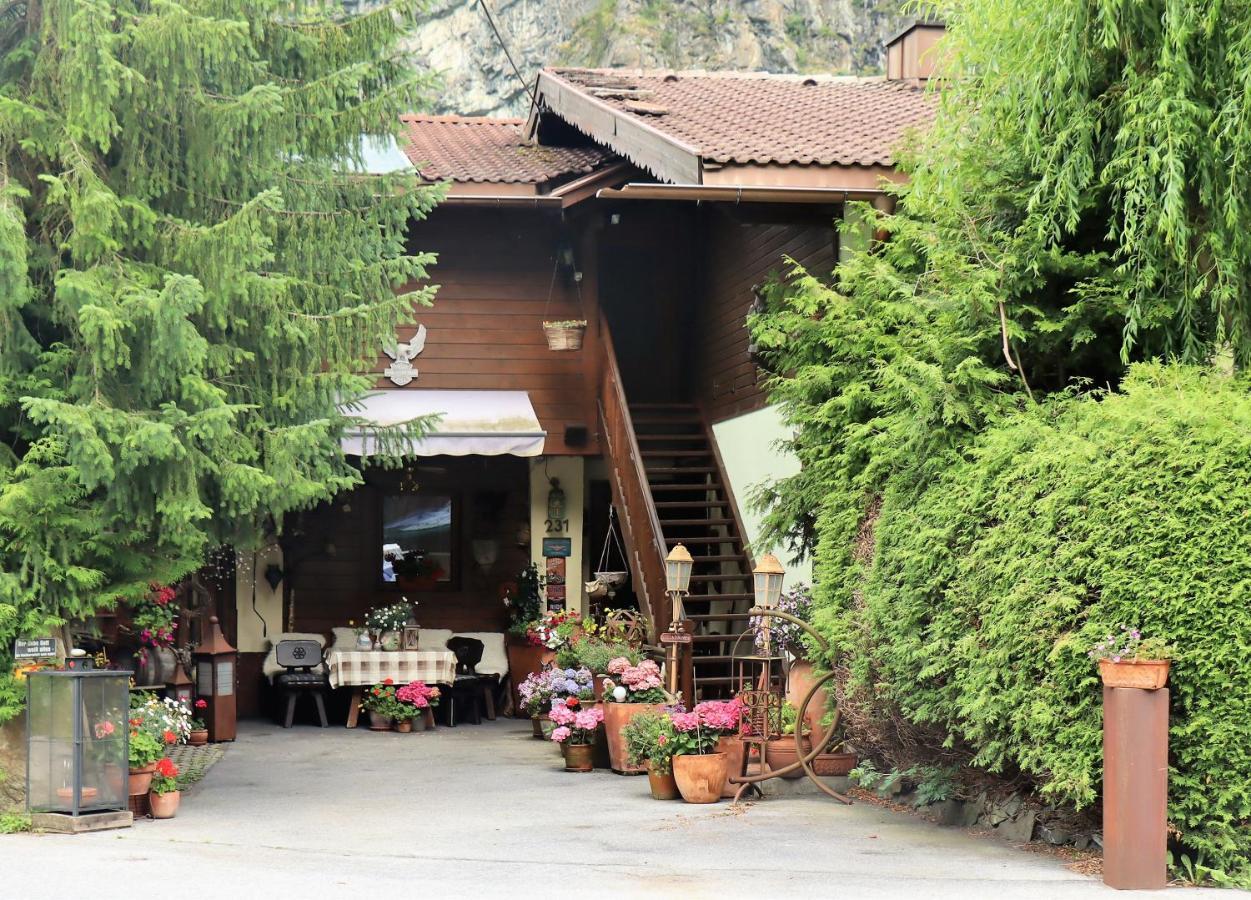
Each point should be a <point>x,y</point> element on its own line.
<point>739,253</point>
<point>334,552</point>
<point>484,331</point>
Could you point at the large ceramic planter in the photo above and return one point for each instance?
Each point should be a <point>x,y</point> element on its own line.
<point>524,659</point>
<point>800,678</point>
<point>733,748</point>
<point>700,777</point>
<point>780,753</point>
<point>579,757</point>
<point>164,806</point>
<point>663,787</point>
<point>379,722</point>
<point>1146,674</point>
<point>140,780</point>
<point>616,717</point>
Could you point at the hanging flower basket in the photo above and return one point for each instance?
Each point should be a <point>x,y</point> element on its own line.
<point>566,335</point>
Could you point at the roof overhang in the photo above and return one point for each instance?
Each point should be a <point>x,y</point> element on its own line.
<point>741,193</point>
<point>471,423</point>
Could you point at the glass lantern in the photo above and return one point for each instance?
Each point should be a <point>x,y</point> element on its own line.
<point>77,741</point>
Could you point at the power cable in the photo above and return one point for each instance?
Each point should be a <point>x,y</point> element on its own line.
<point>525,86</point>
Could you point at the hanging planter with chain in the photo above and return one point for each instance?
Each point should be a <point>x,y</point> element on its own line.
<point>608,580</point>
<point>566,335</point>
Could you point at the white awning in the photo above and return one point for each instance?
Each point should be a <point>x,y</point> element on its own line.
<point>473,423</point>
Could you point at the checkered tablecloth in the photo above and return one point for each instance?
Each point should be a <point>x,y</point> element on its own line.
<point>350,668</point>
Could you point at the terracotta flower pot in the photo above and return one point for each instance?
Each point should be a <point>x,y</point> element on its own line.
<point>800,678</point>
<point>616,717</point>
<point>663,787</point>
<point>523,659</point>
<point>418,722</point>
<point>141,780</point>
<point>404,726</point>
<point>198,738</point>
<point>733,749</point>
<point>700,777</point>
<point>579,757</point>
<point>780,753</point>
<point>89,795</point>
<point>834,763</point>
<point>379,722</point>
<point>164,806</point>
<point>1147,674</point>
<point>536,723</point>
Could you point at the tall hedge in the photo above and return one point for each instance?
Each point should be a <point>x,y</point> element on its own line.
<point>1063,521</point>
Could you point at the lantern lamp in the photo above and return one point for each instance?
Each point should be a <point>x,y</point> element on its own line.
<point>180,687</point>
<point>678,565</point>
<point>215,682</point>
<point>556,502</point>
<point>768,581</point>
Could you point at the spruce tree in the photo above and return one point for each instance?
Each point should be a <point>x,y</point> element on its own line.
<point>195,272</point>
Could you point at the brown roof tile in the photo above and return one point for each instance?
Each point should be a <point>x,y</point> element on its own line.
<point>739,117</point>
<point>479,149</point>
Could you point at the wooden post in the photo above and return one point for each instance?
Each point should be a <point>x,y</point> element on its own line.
<point>1135,788</point>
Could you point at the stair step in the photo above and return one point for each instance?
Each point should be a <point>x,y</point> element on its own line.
<point>708,597</point>
<point>693,436</point>
<point>721,557</point>
<point>683,406</point>
<point>699,486</point>
<point>719,617</point>
<point>677,453</point>
<point>682,470</point>
<point>704,540</point>
<point>692,420</point>
<point>664,521</point>
<point>705,578</point>
<point>689,504</point>
<point>715,679</point>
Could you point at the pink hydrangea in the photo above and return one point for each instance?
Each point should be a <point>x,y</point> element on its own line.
<point>588,719</point>
<point>562,715</point>
<point>561,734</point>
<point>618,665</point>
<point>684,721</point>
<point>644,676</point>
<point>720,715</point>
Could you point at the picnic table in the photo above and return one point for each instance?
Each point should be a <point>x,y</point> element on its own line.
<point>359,669</point>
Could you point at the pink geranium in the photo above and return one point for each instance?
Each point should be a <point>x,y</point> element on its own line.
<point>561,734</point>
<point>588,719</point>
<point>561,714</point>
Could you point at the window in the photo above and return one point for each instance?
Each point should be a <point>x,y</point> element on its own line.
<point>417,539</point>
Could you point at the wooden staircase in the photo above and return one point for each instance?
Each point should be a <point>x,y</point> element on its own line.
<point>687,483</point>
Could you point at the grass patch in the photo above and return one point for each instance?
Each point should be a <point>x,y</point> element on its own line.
<point>14,823</point>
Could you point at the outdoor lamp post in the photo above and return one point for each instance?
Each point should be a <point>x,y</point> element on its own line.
<point>77,753</point>
<point>215,682</point>
<point>678,565</point>
<point>767,583</point>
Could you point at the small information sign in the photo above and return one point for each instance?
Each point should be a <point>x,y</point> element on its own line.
<point>34,648</point>
<point>558,547</point>
<point>675,637</point>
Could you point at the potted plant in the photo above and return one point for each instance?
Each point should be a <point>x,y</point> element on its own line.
<point>649,742</point>
<point>198,735</point>
<point>523,598</point>
<point>145,750</point>
<point>565,334</point>
<point>1128,660</point>
<point>379,701</point>
<point>535,694</point>
<point>386,622</point>
<point>781,751</point>
<point>631,689</point>
<point>699,768</point>
<point>417,697</point>
<point>164,796</point>
<point>575,732</point>
<point>166,719</point>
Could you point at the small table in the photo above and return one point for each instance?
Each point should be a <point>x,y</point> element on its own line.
<point>359,668</point>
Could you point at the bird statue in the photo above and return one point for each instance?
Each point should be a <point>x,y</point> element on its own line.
<point>401,370</point>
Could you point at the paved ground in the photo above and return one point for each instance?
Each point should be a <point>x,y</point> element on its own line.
<point>487,812</point>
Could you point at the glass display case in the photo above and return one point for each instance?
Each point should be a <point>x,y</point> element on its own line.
<point>77,738</point>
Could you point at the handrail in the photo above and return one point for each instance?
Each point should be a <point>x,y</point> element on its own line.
<point>631,493</point>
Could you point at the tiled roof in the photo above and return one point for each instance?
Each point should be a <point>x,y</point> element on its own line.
<point>479,149</point>
<point>738,117</point>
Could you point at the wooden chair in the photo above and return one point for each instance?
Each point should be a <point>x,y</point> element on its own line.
<point>299,658</point>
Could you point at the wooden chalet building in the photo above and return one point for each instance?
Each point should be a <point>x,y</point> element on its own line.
<point>649,204</point>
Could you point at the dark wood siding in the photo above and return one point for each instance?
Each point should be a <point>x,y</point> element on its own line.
<point>484,331</point>
<point>740,252</point>
<point>334,551</point>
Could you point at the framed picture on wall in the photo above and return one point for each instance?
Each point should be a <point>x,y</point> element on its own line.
<point>409,638</point>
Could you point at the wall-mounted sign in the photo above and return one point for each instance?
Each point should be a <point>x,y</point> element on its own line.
<point>558,547</point>
<point>555,597</point>
<point>401,371</point>
<point>34,648</point>
<point>555,570</point>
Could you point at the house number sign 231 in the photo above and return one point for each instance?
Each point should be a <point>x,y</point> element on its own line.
<point>557,526</point>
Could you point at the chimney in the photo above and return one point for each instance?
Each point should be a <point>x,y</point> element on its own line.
<point>909,53</point>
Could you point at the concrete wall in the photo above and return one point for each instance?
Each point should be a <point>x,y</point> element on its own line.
<point>13,764</point>
<point>268,601</point>
<point>747,448</point>
<point>570,470</point>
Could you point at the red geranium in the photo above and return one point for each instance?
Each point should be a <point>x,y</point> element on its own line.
<point>170,737</point>
<point>201,704</point>
<point>166,768</point>
<point>388,681</point>
<point>572,702</point>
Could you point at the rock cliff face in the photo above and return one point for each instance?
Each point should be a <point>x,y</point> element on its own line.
<point>839,36</point>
